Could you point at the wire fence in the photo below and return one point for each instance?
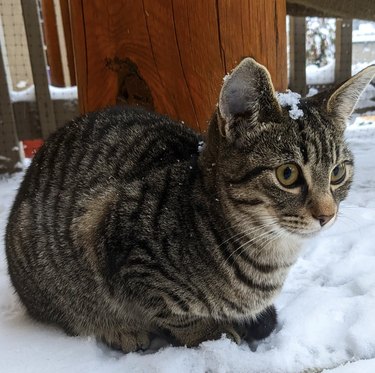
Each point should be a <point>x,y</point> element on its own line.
<point>35,49</point>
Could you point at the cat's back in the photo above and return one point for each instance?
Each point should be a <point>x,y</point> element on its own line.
<point>80,171</point>
<point>115,144</point>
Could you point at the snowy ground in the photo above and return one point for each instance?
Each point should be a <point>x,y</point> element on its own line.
<point>326,309</point>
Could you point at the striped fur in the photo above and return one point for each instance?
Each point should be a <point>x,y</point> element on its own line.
<point>122,227</point>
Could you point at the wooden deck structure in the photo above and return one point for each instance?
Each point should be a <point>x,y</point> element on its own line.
<point>167,56</point>
<point>172,56</point>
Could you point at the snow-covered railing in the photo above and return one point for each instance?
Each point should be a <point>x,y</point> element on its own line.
<point>304,77</point>
<point>32,108</point>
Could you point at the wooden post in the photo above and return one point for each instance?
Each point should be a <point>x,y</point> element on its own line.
<point>297,42</point>
<point>9,151</point>
<point>172,56</point>
<point>38,65</point>
<point>52,43</point>
<point>343,54</point>
<point>65,15</point>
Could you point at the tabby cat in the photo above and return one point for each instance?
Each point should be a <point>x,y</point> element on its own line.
<point>126,225</point>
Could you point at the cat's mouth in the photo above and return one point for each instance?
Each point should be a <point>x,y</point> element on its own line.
<point>306,231</point>
<point>305,227</point>
<point>302,233</point>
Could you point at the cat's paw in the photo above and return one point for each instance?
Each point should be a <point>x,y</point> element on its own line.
<point>236,334</point>
<point>263,326</point>
<point>128,341</point>
<point>205,330</point>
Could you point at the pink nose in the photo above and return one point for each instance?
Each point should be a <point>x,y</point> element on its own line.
<point>324,219</point>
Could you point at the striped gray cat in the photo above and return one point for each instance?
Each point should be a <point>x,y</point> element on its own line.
<point>126,226</point>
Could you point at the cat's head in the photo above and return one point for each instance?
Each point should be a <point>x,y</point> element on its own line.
<point>288,167</point>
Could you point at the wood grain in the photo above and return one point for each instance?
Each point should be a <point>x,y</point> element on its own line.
<point>46,113</point>
<point>52,43</point>
<point>65,14</point>
<point>178,50</point>
<point>79,48</point>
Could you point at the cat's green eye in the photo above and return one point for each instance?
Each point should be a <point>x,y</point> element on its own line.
<point>338,174</point>
<point>288,174</point>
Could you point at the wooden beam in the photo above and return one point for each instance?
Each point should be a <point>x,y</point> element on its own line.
<point>65,15</point>
<point>343,54</point>
<point>38,64</point>
<point>297,42</point>
<point>51,38</point>
<point>80,52</point>
<point>62,43</point>
<point>9,151</point>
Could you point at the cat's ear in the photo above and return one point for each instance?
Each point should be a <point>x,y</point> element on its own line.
<point>342,102</point>
<point>247,91</point>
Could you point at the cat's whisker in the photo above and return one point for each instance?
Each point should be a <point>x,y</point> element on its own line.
<point>264,244</point>
<point>257,251</point>
<point>348,220</point>
<point>251,240</point>
<point>242,234</point>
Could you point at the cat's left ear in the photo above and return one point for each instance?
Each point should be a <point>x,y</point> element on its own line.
<point>247,91</point>
<point>343,101</point>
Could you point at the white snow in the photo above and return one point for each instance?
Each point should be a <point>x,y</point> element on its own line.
<point>326,74</point>
<point>291,99</point>
<point>321,75</point>
<point>312,91</point>
<point>225,77</point>
<point>201,145</point>
<point>57,93</point>
<point>21,84</point>
<point>326,308</point>
<point>363,366</point>
<point>365,33</point>
<point>4,159</point>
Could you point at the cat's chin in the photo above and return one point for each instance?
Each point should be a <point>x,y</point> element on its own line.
<point>307,235</point>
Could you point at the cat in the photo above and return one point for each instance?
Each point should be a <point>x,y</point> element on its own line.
<point>127,225</point>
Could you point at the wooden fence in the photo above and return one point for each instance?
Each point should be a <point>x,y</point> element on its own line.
<point>297,67</point>
<point>298,81</point>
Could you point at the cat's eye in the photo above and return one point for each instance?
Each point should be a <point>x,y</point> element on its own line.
<point>338,174</point>
<point>288,175</point>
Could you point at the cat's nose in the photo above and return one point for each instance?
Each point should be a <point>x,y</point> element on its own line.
<point>324,219</point>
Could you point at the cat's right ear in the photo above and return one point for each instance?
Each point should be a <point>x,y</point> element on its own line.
<point>248,92</point>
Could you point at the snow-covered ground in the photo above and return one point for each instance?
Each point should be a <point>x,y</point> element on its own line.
<point>326,309</point>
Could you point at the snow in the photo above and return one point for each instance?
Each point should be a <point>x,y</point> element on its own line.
<point>326,308</point>
<point>365,33</point>
<point>326,74</point>
<point>57,93</point>
<point>226,76</point>
<point>312,91</point>
<point>320,75</point>
<point>363,366</point>
<point>200,146</point>
<point>291,99</point>
<point>21,84</point>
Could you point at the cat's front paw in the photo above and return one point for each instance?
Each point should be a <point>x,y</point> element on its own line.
<point>235,333</point>
<point>263,326</point>
<point>127,341</point>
